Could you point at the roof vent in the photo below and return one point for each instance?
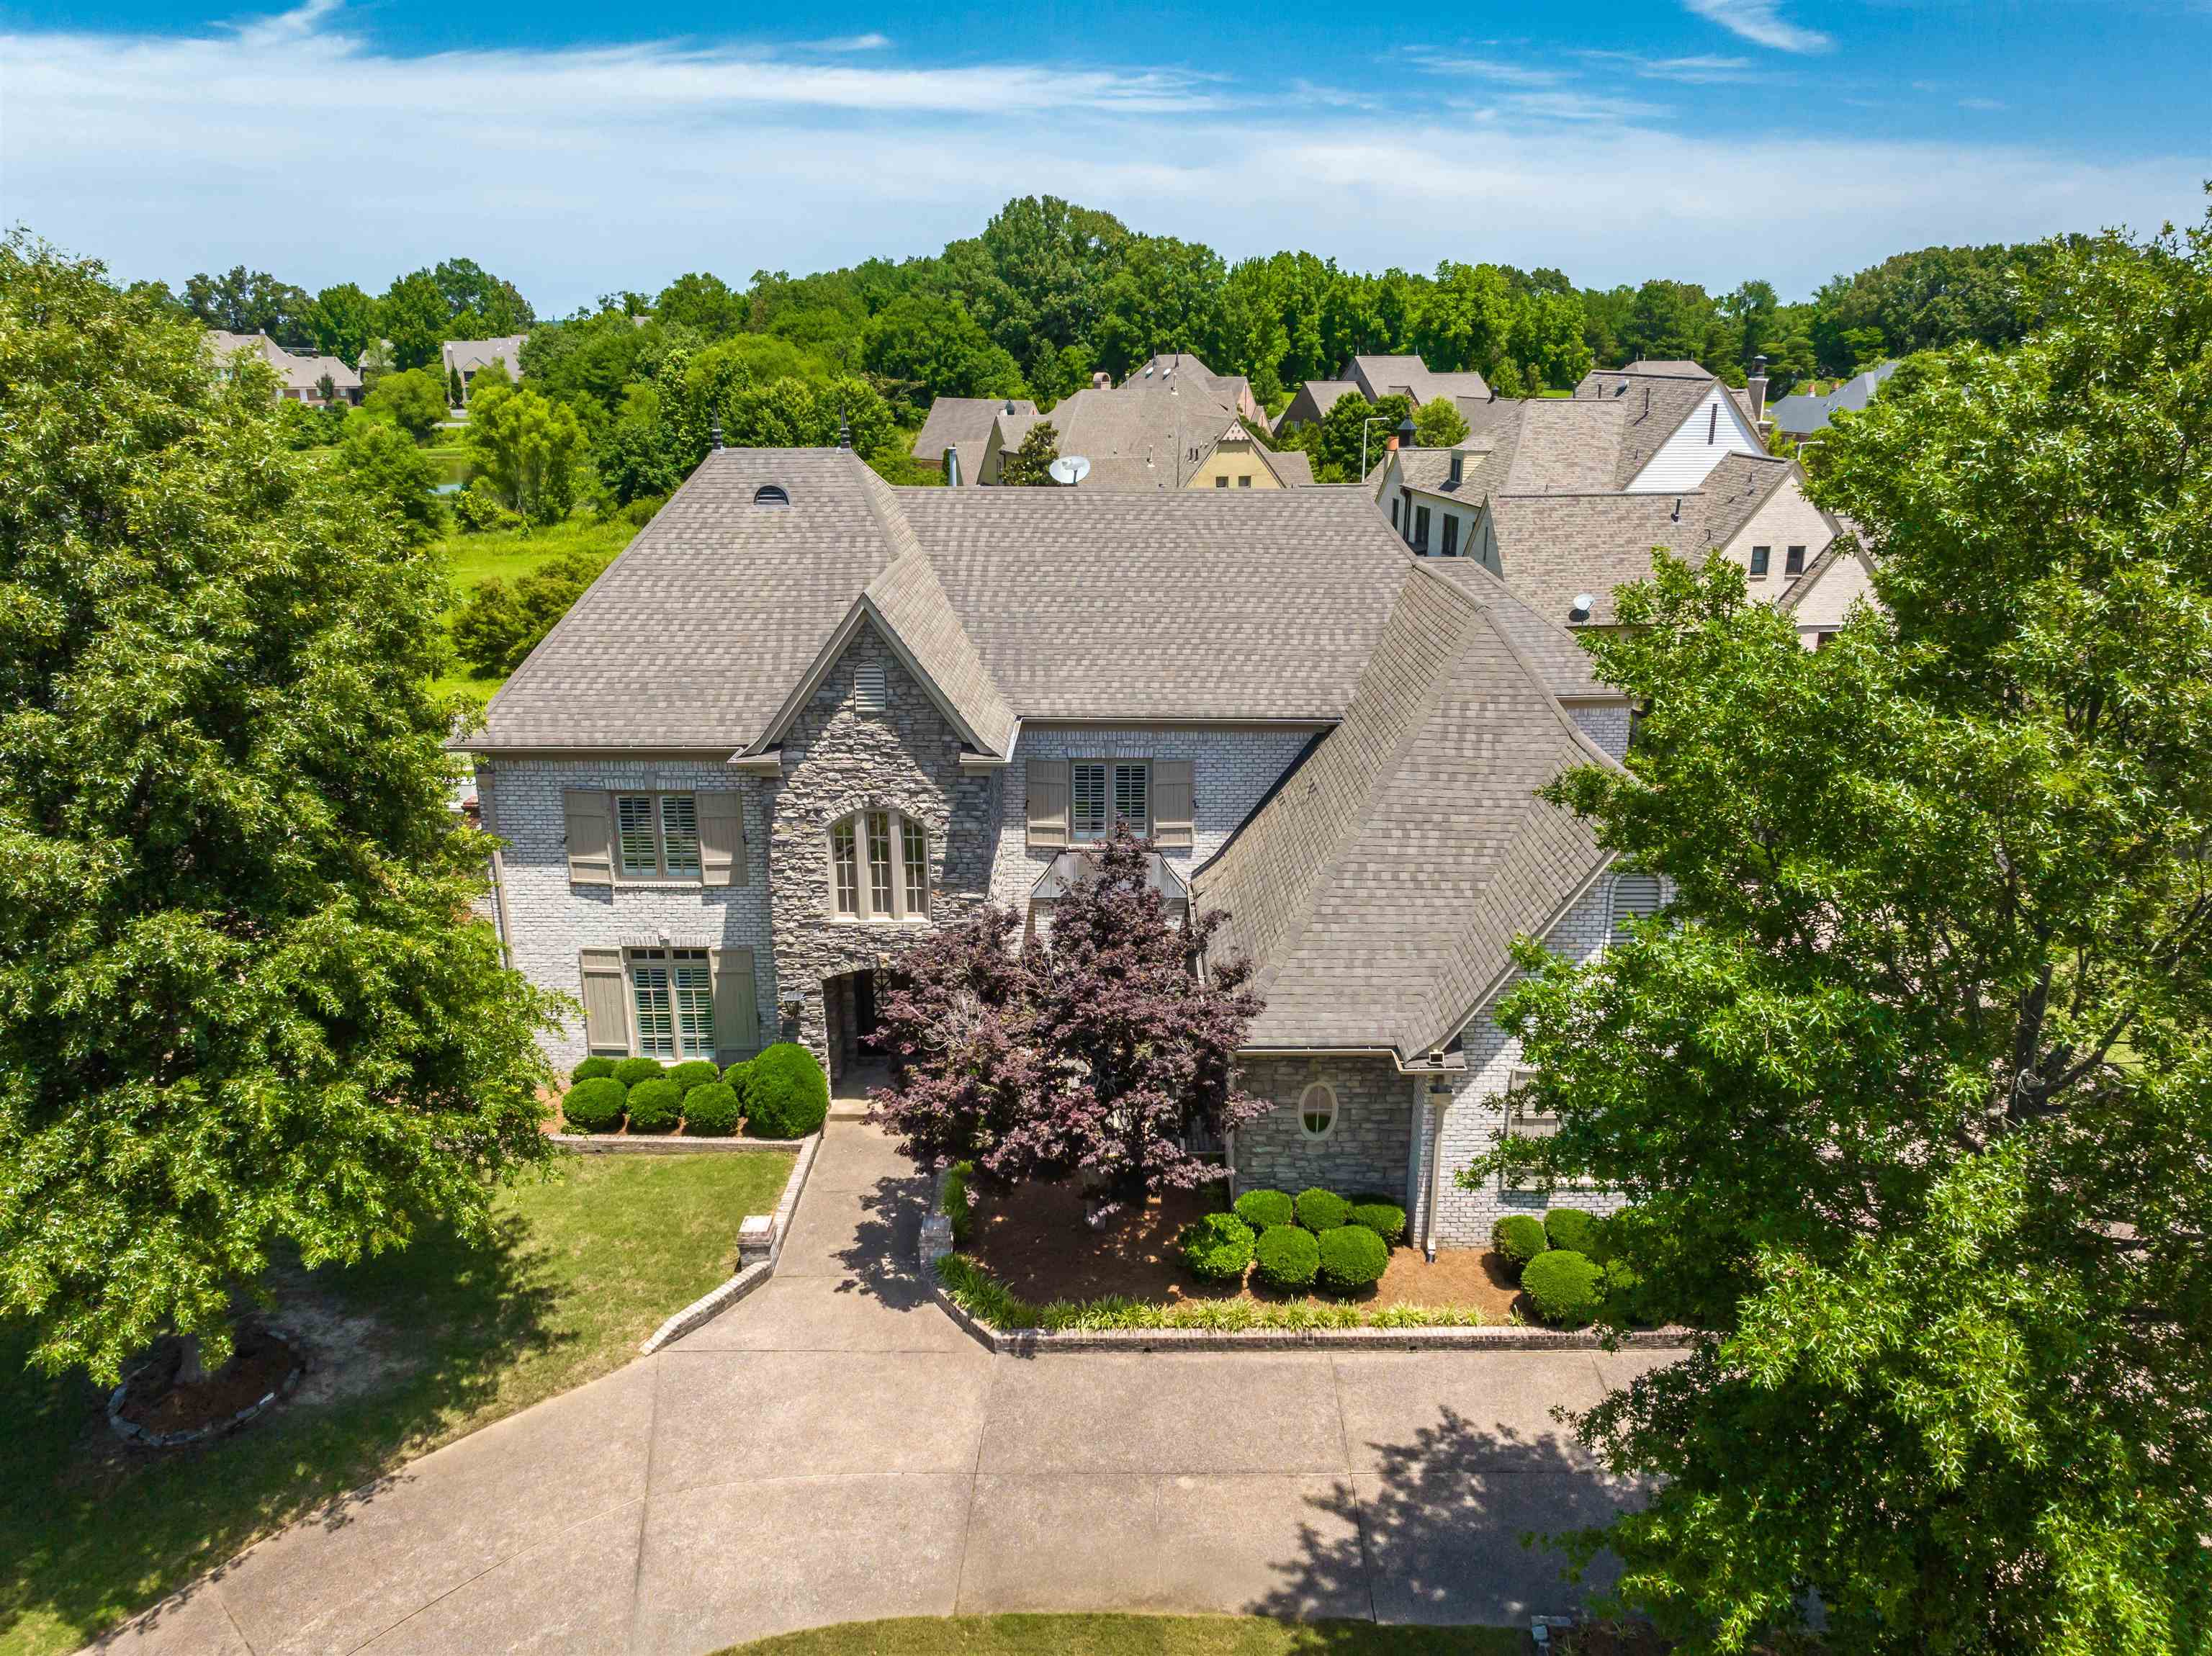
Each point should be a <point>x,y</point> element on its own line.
<point>870,689</point>
<point>771,494</point>
<point>1581,609</point>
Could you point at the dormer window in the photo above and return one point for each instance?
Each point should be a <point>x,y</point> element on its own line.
<point>771,494</point>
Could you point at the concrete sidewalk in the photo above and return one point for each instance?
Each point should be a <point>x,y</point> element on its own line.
<point>834,1449</point>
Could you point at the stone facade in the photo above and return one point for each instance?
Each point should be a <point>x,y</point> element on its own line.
<point>1365,1152</point>
<point>552,920</point>
<point>838,760</point>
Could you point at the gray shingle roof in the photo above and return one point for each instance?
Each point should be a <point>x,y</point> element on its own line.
<point>1380,376</point>
<point>1556,653</point>
<point>470,354</point>
<point>1654,405</point>
<point>293,372</point>
<point>1552,548</point>
<point>1805,413</point>
<point>1076,603</point>
<point>1319,396</point>
<point>1293,468</point>
<point>912,603</point>
<point>1738,487</point>
<point>1142,434</point>
<point>1379,890</point>
<point>965,423</point>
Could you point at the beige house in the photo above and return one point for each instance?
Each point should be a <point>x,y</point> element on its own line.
<point>1236,459</point>
<point>317,381</point>
<point>470,357</point>
<point>1376,377</point>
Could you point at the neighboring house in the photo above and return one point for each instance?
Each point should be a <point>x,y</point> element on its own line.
<point>1232,389</point>
<point>1147,433</point>
<point>469,357</point>
<point>1236,459</point>
<point>1376,377</point>
<point>945,693</point>
<point>964,426</point>
<point>1679,421</point>
<point>1805,414</point>
<point>299,378</point>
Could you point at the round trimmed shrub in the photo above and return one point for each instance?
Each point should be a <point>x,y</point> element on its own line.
<point>1288,1257</point>
<point>1264,1208</point>
<point>1573,1228</point>
<point>1567,1287</point>
<point>631,1071</point>
<point>1323,1210</point>
<point>654,1105</point>
<point>1353,1257</point>
<point>710,1110</point>
<point>1217,1247</point>
<point>594,1104</point>
<point>1520,1237</point>
<point>735,1075</point>
<point>591,1069</point>
<point>1386,1219</point>
<point>694,1072</point>
<point>786,1095</point>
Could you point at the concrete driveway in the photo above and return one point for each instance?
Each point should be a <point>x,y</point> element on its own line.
<point>834,1449</point>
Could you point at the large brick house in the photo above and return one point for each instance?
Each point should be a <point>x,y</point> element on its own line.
<point>807,715</point>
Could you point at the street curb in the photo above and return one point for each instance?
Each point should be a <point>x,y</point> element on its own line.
<point>715,1302</point>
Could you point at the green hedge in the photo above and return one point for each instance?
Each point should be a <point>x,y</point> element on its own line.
<point>786,1095</point>
<point>1353,1257</point>
<point>591,1069</point>
<point>655,1105</point>
<point>958,1208</point>
<point>710,1110</point>
<point>594,1104</point>
<point>1217,1247</point>
<point>1565,1287</point>
<point>1289,1257</point>
<point>1264,1208</point>
<point>1520,1237</point>
<point>1575,1229</point>
<point>631,1071</point>
<point>694,1072</point>
<point>982,1297</point>
<point>1323,1210</point>
<point>1386,1219</point>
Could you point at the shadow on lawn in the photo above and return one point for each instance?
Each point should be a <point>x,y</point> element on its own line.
<point>404,1351</point>
<point>1447,1529</point>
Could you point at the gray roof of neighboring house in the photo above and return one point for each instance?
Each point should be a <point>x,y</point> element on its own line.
<point>1555,652</point>
<point>1380,376</point>
<point>293,372</point>
<point>469,355</point>
<point>964,423</point>
<point>1737,488</point>
<point>1142,434</point>
<point>1322,395</point>
<point>1293,468</point>
<point>1675,368</point>
<point>1805,413</point>
<point>1655,405</point>
<point>1057,604</point>
<point>1553,547</point>
<point>1378,893</point>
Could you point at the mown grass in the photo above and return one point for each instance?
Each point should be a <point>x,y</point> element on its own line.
<point>505,555</point>
<point>1133,1635</point>
<point>449,1338</point>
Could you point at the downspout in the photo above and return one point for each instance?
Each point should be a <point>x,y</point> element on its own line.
<point>499,906</point>
<point>1435,1173</point>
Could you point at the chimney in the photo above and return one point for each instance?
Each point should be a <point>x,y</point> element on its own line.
<point>714,436</point>
<point>952,467</point>
<point>1756,385</point>
<point>1010,405</point>
<point>1101,381</point>
<point>844,431</point>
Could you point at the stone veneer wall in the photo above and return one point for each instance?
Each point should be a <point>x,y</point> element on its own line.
<point>1365,1153</point>
<point>837,760</point>
<point>521,803</point>
<point>1230,770</point>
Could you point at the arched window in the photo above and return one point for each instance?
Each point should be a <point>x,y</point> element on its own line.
<point>1317,1110</point>
<point>878,867</point>
<point>771,494</point>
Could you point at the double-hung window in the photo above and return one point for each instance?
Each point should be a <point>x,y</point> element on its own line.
<point>1451,536</point>
<point>878,867</point>
<point>1793,562</point>
<point>1103,791</point>
<point>657,836</point>
<point>1421,529</point>
<point>1761,557</point>
<point>672,991</point>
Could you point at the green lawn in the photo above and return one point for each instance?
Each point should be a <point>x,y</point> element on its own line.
<point>510,552</point>
<point>444,1339</point>
<point>1133,1635</point>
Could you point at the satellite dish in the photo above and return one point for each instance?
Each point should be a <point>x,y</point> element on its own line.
<point>1581,611</point>
<point>1070,469</point>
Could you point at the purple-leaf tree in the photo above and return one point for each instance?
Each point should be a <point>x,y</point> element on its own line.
<point>1095,1054</point>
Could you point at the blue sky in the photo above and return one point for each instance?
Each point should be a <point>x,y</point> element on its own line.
<point>579,149</point>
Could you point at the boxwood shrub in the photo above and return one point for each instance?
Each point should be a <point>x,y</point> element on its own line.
<point>1323,1210</point>
<point>1353,1257</point>
<point>654,1105</point>
<point>1567,1287</point>
<point>1288,1257</point>
<point>631,1071</point>
<point>1217,1247</point>
<point>1520,1237</point>
<point>1573,1228</point>
<point>958,1206</point>
<point>1386,1219</point>
<point>594,1104</point>
<point>710,1109</point>
<point>591,1069</point>
<point>1263,1209</point>
<point>694,1072</point>
<point>786,1095</point>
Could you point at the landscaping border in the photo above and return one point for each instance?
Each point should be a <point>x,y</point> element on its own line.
<point>715,1300</point>
<point>937,1241</point>
<point>610,1144</point>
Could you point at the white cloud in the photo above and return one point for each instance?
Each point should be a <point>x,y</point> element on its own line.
<point>871,41</point>
<point>1489,68</point>
<point>1760,22</point>
<point>580,172</point>
<point>1582,106</point>
<point>1704,69</point>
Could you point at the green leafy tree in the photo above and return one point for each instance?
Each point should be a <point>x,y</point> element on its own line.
<point>528,449</point>
<point>493,376</point>
<point>1030,466</point>
<point>390,472</point>
<point>500,624</point>
<point>342,322</point>
<point>1165,296</point>
<point>1465,318</point>
<point>413,401</point>
<point>1549,341</point>
<point>703,303</point>
<point>1438,424</point>
<point>414,317</point>
<point>251,301</point>
<point>1914,1097</point>
<point>479,305</point>
<point>931,347</point>
<point>1337,445</point>
<point>244,1005</point>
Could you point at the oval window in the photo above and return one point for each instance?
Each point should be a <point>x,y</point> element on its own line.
<point>1317,1110</point>
<point>771,494</point>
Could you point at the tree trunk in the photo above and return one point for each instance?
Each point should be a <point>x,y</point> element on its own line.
<point>191,1371</point>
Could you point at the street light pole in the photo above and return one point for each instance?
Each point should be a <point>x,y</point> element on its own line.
<point>1371,420</point>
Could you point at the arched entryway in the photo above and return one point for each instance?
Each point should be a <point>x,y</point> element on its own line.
<point>848,1013</point>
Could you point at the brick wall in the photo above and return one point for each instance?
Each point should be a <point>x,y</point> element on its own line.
<point>1606,726</point>
<point>1366,1152</point>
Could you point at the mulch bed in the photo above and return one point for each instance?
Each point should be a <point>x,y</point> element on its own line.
<point>1034,1239</point>
<point>260,1364</point>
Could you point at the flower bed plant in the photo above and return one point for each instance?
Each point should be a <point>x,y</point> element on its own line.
<point>982,1297</point>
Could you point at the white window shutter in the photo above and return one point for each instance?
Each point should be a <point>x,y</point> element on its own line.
<point>722,859</point>
<point>607,1008</point>
<point>736,1003</point>
<point>1048,804</point>
<point>1635,897</point>
<point>1174,808</point>
<point>589,824</point>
